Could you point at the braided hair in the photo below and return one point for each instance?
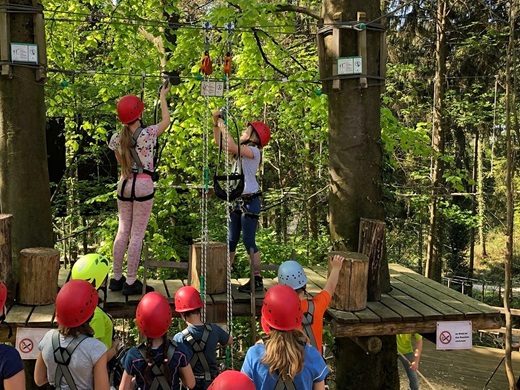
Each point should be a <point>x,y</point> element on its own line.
<point>165,367</point>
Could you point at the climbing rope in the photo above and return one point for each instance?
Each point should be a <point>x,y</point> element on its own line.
<point>206,68</point>
<point>229,27</point>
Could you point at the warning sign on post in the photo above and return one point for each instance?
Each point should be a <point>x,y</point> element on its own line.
<point>27,340</point>
<point>454,335</point>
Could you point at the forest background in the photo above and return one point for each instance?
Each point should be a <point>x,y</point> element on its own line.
<point>448,119</point>
<point>100,50</point>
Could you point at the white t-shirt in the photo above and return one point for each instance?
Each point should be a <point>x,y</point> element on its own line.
<point>81,364</point>
<point>250,167</point>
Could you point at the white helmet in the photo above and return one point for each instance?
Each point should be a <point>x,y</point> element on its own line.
<point>291,273</point>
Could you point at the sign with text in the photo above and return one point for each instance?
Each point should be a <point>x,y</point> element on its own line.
<point>27,340</point>
<point>24,52</point>
<point>454,335</point>
<point>212,88</point>
<point>350,65</point>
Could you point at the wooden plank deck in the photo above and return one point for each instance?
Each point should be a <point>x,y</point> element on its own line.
<point>414,304</point>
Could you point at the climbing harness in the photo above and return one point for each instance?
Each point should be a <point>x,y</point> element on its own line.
<point>198,348</point>
<point>308,320</point>
<point>159,380</point>
<point>284,385</point>
<point>62,358</point>
<point>140,169</point>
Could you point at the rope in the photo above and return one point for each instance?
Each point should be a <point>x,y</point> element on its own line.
<point>229,309</point>
<point>204,195</point>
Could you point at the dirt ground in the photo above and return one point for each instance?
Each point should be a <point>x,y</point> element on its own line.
<point>462,369</point>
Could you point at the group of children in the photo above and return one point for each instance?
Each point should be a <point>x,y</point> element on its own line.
<point>75,356</point>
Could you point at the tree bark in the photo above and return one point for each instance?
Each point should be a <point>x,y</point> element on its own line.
<point>434,254</point>
<point>508,261</point>
<point>24,176</point>
<point>355,168</point>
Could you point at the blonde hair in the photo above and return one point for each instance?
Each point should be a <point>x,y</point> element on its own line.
<point>126,157</point>
<point>284,353</point>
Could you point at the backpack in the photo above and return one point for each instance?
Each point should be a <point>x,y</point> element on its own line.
<point>115,367</point>
<point>62,358</point>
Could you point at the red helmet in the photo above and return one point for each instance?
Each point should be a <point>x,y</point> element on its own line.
<point>281,309</point>
<point>75,303</point>
<point>232,380</point>
<point>187,298</point>
<point>263,131</point>
<point>153,315</point>
<point>3,296</point>
<point>129,108</point>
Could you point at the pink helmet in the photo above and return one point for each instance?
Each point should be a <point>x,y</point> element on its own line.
<point>75,303</point>
<point>282,309</point>
<point>153,315</point>
<point>187,298</point>
<point>3,296</point>
<point>232,380</point>
<point>129,108</point>
<point>263,131</point>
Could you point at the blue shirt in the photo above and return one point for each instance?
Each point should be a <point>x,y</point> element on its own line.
<point>314,369</point>
<point>215,337</point>
<point>135,365</point>
<point>10,363</point>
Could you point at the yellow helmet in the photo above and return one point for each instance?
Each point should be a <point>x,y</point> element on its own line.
<point>92,267</point>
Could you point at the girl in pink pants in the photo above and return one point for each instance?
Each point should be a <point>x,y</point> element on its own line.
<point>134,149</point>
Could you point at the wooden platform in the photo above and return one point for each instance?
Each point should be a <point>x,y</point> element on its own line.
<point>415,304</point>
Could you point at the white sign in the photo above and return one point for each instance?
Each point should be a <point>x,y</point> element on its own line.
<point>212,88</point>
<point>27,340</point>
<point>350,65</point>
<point>24,52</point>
<point>454,335</point>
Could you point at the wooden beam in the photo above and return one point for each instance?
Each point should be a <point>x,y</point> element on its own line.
<point>362,50</point>
<point>4,42</point>
<point>391,328</point>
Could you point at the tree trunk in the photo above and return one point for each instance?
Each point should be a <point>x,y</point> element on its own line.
<point>434,254</point>
<point>24,176</point>
<point>355,166</point>
<point>510,101</point>
<point>481,204</point>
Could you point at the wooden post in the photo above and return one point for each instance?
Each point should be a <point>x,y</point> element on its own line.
<point>372,243</point>
<point>6,259</point>
<point>39,270</point>
<point>351,291</point>
<point>216,267</point>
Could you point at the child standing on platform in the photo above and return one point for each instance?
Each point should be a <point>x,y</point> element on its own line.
<point>285,359</point>
<point>12,375</point>
<point>202,339</point>
<point>134,150</point>
<point>158,363</point>
<point>291,273</point>
<point>245,211</point>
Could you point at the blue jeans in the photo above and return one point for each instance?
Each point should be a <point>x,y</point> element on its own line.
<point>412,375</point>
<point>241,222</point>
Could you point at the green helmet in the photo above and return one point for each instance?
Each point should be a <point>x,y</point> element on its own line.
<point>92,267</point>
